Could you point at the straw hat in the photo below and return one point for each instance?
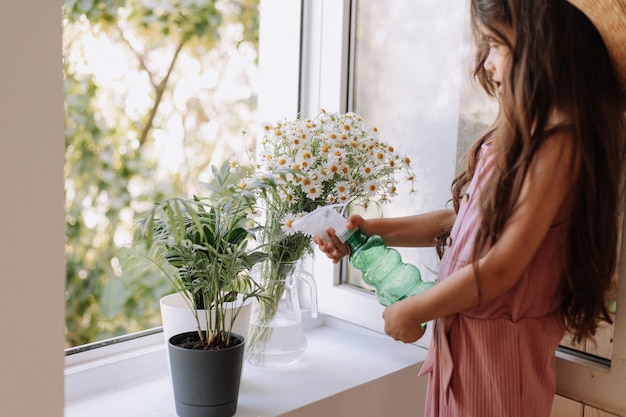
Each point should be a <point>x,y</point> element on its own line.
<point>609,17</point>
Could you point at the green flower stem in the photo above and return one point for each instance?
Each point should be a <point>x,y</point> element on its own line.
<point>273,276</point>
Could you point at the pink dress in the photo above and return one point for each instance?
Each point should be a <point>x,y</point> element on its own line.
<point>497,359</point>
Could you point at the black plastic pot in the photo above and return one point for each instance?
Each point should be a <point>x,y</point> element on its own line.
<point>206,382</point>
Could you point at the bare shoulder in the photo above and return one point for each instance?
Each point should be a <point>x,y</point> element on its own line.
<point>557,166</point>
<point>559,152</point>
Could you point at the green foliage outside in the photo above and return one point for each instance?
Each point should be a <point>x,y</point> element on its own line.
<point>156,92</point>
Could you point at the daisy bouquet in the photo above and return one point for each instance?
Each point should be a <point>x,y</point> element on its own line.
<point>331,158</point>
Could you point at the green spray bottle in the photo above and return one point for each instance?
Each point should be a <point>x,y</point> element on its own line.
<point>381,267</point>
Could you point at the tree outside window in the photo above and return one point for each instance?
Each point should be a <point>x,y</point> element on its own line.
<point>156,91</point>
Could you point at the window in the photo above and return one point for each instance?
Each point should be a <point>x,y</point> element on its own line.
<point>156,92</point>
<point>414,99</point>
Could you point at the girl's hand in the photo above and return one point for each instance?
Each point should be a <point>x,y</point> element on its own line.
<point>335,249</point>
<point>399,323</point>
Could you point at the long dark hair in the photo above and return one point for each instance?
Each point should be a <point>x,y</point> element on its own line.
<point>557,61</point>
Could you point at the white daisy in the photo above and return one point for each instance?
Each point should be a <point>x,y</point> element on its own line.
<point>343,187</point>
<point>287,224</point>
<point>313,191</point>
<point>367,170</point>
<point>371,188</point>
<point>332,167</point>
<point>232,164</point>
<point>343,198</point>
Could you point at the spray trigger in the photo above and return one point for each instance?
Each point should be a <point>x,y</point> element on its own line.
<point>316,222</point>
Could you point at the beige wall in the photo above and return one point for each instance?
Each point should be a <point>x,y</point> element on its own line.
<point>31,255</point>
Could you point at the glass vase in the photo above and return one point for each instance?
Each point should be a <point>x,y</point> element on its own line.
<point>276,337</point>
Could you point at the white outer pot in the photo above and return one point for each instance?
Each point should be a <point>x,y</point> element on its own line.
<point>177,317</point>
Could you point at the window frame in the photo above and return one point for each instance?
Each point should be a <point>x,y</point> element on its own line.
<point>326,70</point>
<point>322,67</point>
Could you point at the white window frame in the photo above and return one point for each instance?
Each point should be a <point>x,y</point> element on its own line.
<point>321,71</point>
<point>325,73</point>
<point>308,49</point>
<point>324,84</point>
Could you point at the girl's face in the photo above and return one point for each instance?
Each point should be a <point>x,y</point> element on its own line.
<point>496,59</point>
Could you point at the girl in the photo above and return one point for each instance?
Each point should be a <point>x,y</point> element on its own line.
<point>529,249</point>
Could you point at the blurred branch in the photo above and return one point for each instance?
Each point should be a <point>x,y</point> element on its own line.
<point>160,89</point>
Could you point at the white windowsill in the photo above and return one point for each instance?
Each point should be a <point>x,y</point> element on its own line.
<point>352,370</point>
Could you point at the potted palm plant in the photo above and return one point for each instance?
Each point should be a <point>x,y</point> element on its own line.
<point>203,246</point>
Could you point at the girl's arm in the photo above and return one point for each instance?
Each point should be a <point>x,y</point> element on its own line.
<point>418,230</point>
<point>543,201</point>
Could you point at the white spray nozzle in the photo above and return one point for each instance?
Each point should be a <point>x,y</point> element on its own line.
<point>316,222</point>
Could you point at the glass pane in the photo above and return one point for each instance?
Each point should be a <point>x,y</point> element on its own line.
<point>412,63</point>
<point>156,93</point>
<point>410,80</point>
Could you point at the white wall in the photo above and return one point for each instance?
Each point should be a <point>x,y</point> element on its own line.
<point>31,209</point>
